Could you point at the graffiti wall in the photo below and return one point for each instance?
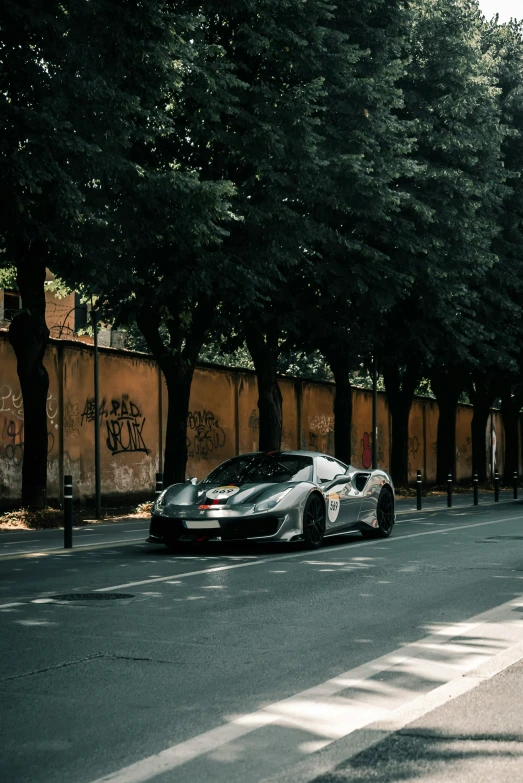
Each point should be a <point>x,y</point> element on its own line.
<point>223,421</point>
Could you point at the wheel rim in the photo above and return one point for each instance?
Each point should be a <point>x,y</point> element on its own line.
<point>315,521</point>
<point>386,512</point>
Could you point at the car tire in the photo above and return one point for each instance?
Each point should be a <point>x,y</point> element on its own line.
<point>384,515</point>
<point>314,522</point>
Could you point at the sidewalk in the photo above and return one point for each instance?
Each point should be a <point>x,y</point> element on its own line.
<point>439,502</point>
<point>475,738</point>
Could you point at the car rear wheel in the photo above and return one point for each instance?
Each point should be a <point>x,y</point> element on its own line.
<point>314,522</point>
<point>384,515</point>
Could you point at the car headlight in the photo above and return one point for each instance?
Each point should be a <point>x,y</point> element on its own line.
<point>266,505</point>
<point>159,503</point>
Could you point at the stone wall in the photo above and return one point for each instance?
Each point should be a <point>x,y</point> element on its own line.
<point>223,421</point>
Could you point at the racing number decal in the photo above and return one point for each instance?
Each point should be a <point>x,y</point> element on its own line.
<point>221,493</point>
<point>333,506</point>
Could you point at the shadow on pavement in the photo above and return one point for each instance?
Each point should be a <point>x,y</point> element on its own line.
<point>434,758</point>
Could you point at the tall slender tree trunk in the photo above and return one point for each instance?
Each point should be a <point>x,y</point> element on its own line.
<point>482,394</point>
<point>340,366</point>
<point>400,388</point>
<point>29,335</point>
<point>264,351</point>
<point>178,376</point>
<point>177,361</point>
<point>512,401</point>
<point>447,386</point>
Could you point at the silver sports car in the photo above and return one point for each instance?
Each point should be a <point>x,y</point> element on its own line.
<point>275,496</point>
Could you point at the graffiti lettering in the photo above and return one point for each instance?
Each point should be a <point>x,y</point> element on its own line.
<point>125,425</point>
<point>321,424</point>
<point>89,412</point>
<point>51,407</point>
<point>414,445</point>
<point>12,445</point>
<point>71,419</point>
<point>124,422</point>
<point>208,435</point>
<point>11,403</point>
<point>125,436</point>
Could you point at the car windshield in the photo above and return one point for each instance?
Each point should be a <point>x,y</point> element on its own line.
<point>262,469</point>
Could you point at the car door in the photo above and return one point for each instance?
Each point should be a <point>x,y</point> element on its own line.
<point>342,504</point>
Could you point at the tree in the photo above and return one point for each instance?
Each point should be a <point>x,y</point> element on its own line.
<point>80,91</point>
<point>505,44</point>
<point>341,269</point>
<point>450,95</point>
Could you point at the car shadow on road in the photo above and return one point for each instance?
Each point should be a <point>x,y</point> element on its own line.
<point>248,548</point>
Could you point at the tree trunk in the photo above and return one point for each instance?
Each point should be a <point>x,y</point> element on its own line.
<point>510,408</point>
<point>340,366</point>
<point>177,361</point>
<point>400,394</point>
<point>29,335</point>
<point>482,393</point>
<point>264,352</point>
<point>447,386</point>
<point>178,377</point>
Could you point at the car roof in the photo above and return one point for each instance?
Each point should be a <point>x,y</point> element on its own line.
<point>297,452</point>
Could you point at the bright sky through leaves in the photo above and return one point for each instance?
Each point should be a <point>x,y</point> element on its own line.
<point>506,9</point>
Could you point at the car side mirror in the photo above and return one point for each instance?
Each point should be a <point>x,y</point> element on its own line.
<point>192,480</point>
<point>341,478</point>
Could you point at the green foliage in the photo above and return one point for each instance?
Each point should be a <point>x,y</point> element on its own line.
<point>343,179</point>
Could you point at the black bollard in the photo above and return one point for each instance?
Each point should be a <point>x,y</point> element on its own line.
<point>476,492</point>
<point>449,491</point>
<point>496,487</point>
<point>419,487</point>
<point>68,512</point>
<point>515,485</point>
<point>159,484</point>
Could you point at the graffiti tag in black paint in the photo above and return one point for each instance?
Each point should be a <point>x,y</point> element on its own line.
<point>204,434</point>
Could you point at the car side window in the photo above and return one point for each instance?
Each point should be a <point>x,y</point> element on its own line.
<point>327,469</point>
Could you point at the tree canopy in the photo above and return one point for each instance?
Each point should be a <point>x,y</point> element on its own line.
<point>320,179</point>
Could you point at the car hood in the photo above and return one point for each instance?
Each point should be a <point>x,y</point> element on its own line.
<point>229,496</point>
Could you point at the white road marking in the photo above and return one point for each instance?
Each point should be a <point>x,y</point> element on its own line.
<point>29,541</point>
<point>416,519</point>
<point>61,551</point>
<point>357,698</point>
<point>295,555</point>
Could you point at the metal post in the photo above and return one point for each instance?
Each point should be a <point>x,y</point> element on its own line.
<point>496,487</point>
<point>476,493</point>
<point>159,484</point>
<point>97,480</point>
<point>449,491</point>
<point>515,485</point>
<point>68,512</point>
<point>491,445</point>
<point>374,414</point>
<point>418,491</point>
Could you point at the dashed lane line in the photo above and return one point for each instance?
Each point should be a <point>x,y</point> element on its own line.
<point>303,555</point>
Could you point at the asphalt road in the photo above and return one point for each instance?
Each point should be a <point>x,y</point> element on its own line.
<point>245,663</point>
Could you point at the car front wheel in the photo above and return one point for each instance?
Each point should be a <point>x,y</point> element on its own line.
<point>314,522</point>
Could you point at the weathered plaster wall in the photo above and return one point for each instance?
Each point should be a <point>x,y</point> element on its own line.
<point>223,421</point>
